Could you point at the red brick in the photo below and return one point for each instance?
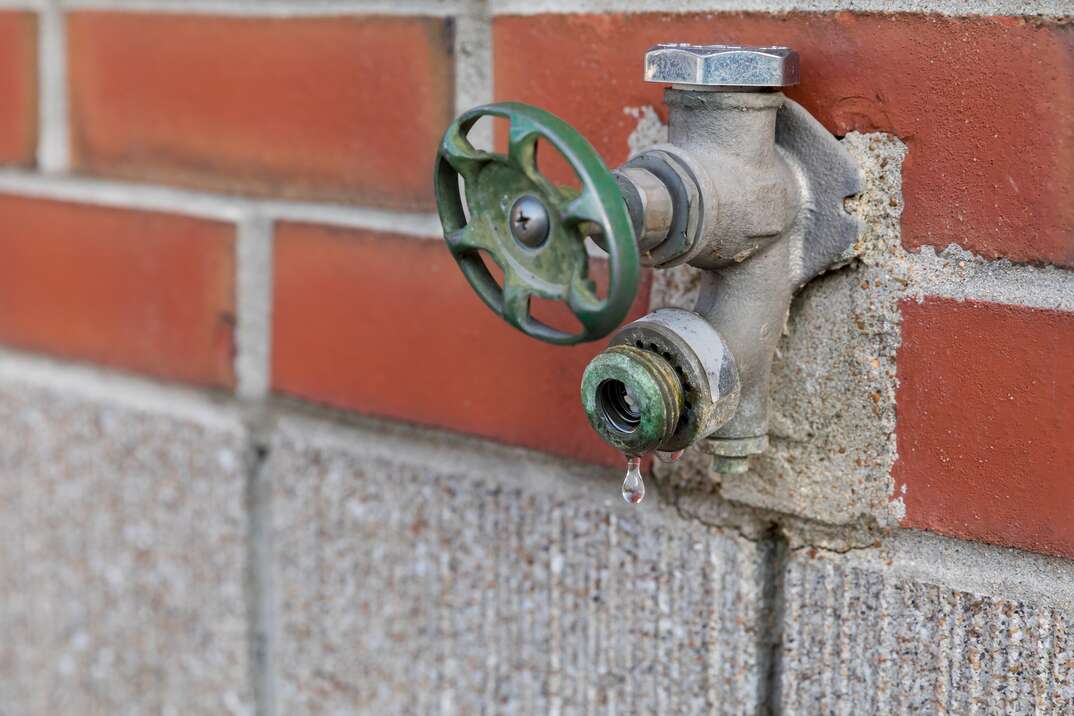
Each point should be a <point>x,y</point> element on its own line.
<point>337,108</point>
<point>147,292</point>
<point>985,423</point>
<point>985,104</point>
<point>387,325</point>
<point>18,87</point>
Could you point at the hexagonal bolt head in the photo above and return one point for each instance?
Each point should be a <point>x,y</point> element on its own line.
<point>721,65</point>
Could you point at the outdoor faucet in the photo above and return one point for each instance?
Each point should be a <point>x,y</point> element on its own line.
<point>749,188</point>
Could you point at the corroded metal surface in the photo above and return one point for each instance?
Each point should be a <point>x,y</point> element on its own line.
<point>633,398</point>
<point>556,267</point>
<point>703,363</point>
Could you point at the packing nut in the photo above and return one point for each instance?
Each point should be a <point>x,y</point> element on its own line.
<point>719,66</point>
<point>649,204</point>
<point>691,195</point>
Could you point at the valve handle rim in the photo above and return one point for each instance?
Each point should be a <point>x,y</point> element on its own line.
<point>598,202</point>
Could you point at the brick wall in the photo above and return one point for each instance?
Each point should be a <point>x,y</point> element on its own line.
<point>223,293</point>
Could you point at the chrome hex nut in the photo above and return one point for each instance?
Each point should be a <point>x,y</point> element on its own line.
<point>721,65</point>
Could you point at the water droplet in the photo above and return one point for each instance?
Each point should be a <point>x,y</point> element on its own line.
<point>633,485</point>
<point>669,456</point>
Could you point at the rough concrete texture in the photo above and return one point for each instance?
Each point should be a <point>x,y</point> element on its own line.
<point>833,379</point>
<point>957,273</point>
<point>833,386</point>
<point>869,633</point>
<point>473,66</point>
<point>414,576</point>
<point>121,559</point>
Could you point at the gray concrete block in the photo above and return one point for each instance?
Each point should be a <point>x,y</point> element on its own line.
<point>421,577</point>
<point>121,559</point>
<point>871,633</point>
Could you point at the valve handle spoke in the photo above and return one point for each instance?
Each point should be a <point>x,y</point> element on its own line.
<point>522,150</point>
<point>584,302</point>
<point>516,302</point>
<point>582,207</point>
<point>463,156</point>
<point>471,237</point>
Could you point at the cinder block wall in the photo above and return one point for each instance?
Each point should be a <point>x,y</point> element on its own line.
<point>263,451</point>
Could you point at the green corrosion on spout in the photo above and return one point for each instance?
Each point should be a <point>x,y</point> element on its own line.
<point>633,398</point>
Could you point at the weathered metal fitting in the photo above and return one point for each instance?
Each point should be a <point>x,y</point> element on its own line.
<point>722,66</point>
<point>649,204</point>
<point>702,362</point>
<point>730,465</point>
<point>633,398</point>
<point>695,99</point>
<point>694,203</point>
<point>735,447</point>
<point>731,456</point>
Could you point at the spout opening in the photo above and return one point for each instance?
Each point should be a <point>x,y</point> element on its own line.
<point>632,397</point>
<point>619,406</point>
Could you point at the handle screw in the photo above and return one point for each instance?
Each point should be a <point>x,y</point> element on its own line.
<point>529,221</point>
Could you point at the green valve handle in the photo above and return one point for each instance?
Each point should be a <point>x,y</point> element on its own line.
<point>532,229</point>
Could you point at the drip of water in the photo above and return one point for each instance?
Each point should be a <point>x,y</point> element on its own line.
<point>633,484</point>
<point>669,456</point>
